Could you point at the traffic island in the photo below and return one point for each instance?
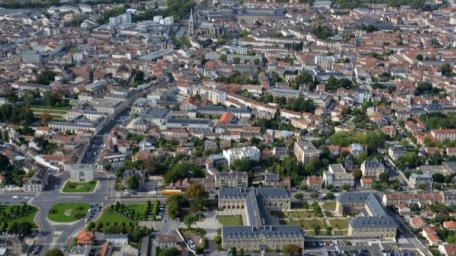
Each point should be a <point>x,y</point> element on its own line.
<point>68,212</point>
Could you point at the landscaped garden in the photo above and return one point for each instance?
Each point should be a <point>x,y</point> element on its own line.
<point>17,219</point>
<point>68,212</point>
<point>125,213</point>
<point>79,187</point>
<point>329,205</point>
<point>56,113</point>
<point>124,218</point>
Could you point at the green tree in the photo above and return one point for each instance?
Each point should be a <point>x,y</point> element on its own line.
<point>384,177</point>
<point>190,219</point>
<point>54,252</point>
<point>292,250</point>
<point>438,177</point>
<point>447,70</point>
<point>242,165</point>
<point>196,190</point>
<point>330,196</point>
<point>316,229</point>
<point>46,77</point>
<point>133,182</point>
<point>322,32</point>
<point>169,252</point>
<point>357,174</point>
<point>346,187</point>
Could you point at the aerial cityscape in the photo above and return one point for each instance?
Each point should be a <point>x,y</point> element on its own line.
<point>227,127</point>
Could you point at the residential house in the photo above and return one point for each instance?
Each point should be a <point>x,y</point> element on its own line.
<point>430,233</point>
<point>314,183</point>
<point>372,168</point>
<point>420,181</point>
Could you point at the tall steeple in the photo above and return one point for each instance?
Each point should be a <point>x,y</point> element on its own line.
<point>191,24</point>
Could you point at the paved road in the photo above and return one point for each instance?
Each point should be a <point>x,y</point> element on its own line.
<point>56,235</point>
<point>411,238</point>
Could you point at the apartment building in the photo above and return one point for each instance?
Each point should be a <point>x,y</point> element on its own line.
<point>305,152</point>
<point>337,176</point>
<point>444,134</point>
<point>233,154</point>
<point>231,179</point>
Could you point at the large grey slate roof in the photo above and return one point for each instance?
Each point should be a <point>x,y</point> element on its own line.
<point>266,231</point>
<point>373,221</point>
<point>242,192</point>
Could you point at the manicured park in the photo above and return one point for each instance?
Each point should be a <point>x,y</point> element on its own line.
<point>56,113</point>
<point>68,212</point>
<point>79,187</point>
<point>18,213</point>
<point>123,213</point>
<point>235,220</point>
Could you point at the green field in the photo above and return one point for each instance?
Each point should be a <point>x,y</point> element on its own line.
<point>300,214</point>
<point>235,220</point>
<point>56,112</point>
<point>79,187</point>
<point>126,213</point>
<point>18,213</point>
<point>339,223</point>
<point>330,205</point>
<point>68,212</point>
<point>309,223</point>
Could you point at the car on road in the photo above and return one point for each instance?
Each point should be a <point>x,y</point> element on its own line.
<point>36,249</point>
<point>15,197</point>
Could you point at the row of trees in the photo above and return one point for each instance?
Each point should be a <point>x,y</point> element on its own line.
<point>372,140</point>
<point>426,88</point>
<point>128,212</point>
<point>440,120</point>
<point>111,13</point>
<point>135,232</point>
<point>21,228</point>
<point>333,83</point>
<point>195,198</point>
<point>10,113</point>
<point>9,219</point>
<point>13,174</point>
<point>179,9</point>
<point>351,4</point>
<point>238,78</point>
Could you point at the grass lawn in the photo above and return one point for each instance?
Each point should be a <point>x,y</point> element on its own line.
<point>79,187</point>
<point>339,223</point>
<point>340,232</point>
<point>130,213</point>
<point>68,212</point>
<point>301,214</point>
<point>235,220</point>
<point>56,112</point>
<point>329,206</point>
<point>113,217</point>
<point>10,213</point>
<point>309,223</point>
